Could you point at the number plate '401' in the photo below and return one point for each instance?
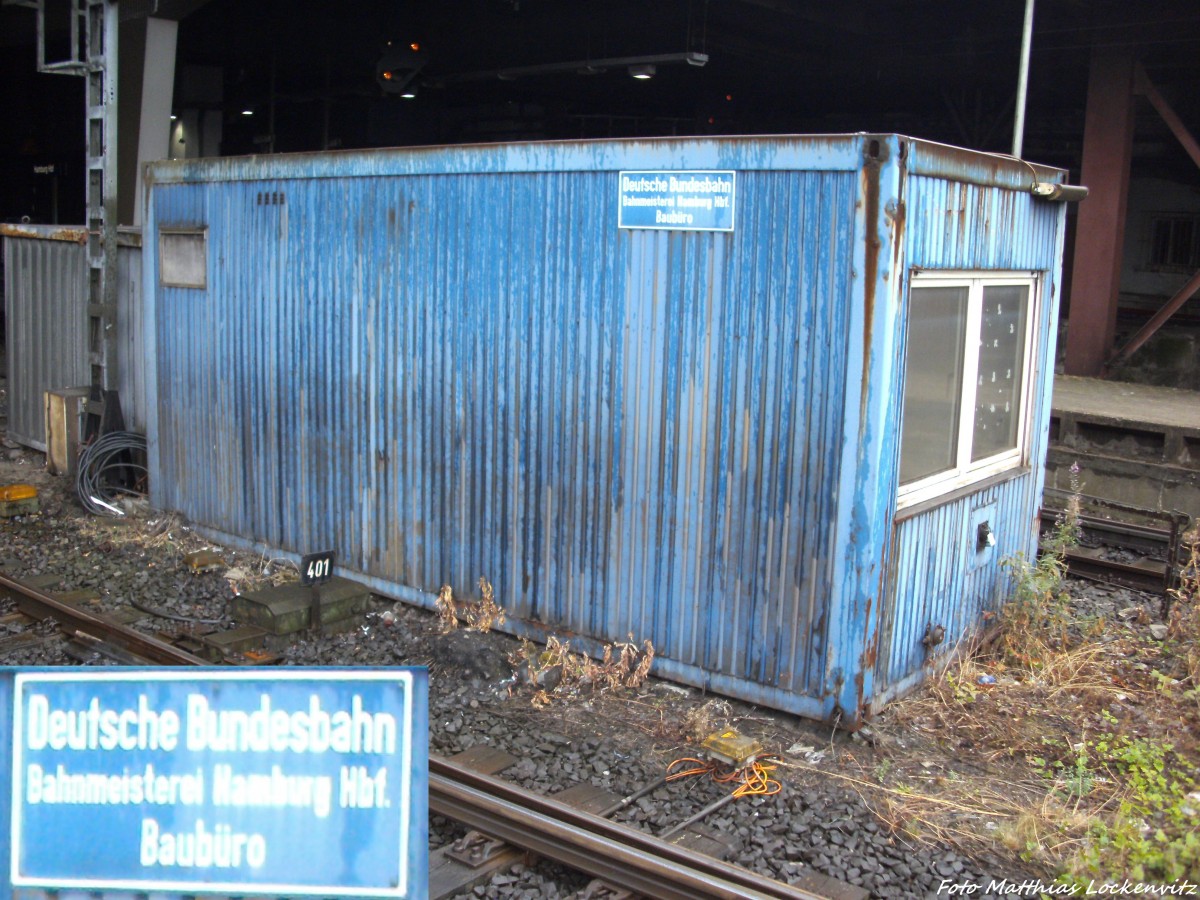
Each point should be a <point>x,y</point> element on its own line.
<point>316,568</point>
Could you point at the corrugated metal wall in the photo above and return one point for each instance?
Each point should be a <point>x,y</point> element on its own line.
<point>45,301</point>
<point>463,375</point>
<point>131,350</point>
<point>450,362</point>
<point>936,575</point>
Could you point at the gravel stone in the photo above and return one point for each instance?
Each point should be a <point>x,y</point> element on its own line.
<point>815,824</point>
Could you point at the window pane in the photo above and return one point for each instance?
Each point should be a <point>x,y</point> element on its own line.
<point>1181,242</point>
<point>932,381</point>
<point>1001,354</point>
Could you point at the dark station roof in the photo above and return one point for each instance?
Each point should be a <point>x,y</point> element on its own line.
<point>945,70</point>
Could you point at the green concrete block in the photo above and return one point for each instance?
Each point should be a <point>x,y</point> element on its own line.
<point>237,640</point>
<point>288,608</point>
<point>10,508</point>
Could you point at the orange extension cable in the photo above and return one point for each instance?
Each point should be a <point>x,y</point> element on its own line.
<point>753,780</point>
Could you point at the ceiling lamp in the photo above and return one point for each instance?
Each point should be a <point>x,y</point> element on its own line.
<point>409,92</point>
<point>642,71</point>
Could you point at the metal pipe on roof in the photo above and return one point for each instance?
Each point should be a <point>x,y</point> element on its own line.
<point>1023,81</point>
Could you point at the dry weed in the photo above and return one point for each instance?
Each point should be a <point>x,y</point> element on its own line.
<point>931,807</point>
<point>446,612</point>
<point>1183,624</point>
<point>556,670</point>
<point>162,532</point>
<point>939,805</point>
<point>701,721</point>
<point>1078,721</point>
<point>485,614</point>
<point>480,616</point>
<point>1036,617</point>
<point>1085,670</point>
<point>629,670</point>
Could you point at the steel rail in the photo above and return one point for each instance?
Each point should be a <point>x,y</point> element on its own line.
<point>41,605</point>
<point>1149,576</point>
<point>617,854</point>
<point>1130,535</point>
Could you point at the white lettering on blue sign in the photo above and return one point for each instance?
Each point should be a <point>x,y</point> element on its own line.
<point>275,731</point>
<point>95,727</point>
<point>294,783</point>
<point>685,200</point>
<point>201,848</point>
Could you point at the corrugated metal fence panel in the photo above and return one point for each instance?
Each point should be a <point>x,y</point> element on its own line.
<point>45,303</point>
<point>46,314</point>
<point>936,576</point>
<point>131,356</point>
<point>449,376</point>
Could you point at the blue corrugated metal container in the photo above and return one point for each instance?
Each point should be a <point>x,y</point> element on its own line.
<point>452,362</point>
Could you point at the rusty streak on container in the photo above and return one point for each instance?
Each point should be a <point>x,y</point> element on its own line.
<point>870,195</point>
<point>73,235</point>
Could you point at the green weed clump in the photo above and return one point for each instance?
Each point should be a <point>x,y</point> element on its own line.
<point>1035,619</point>
<point>1183,623</point>
<point>1150,834</point>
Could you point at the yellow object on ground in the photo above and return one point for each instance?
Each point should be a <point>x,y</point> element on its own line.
<point>11,492</point>
<point>732,748</point>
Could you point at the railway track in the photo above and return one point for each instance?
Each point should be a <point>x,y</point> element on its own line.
<point>118,641</point>
<point>1157,550</point>
<point>624,861</point>
<point>620,857</point>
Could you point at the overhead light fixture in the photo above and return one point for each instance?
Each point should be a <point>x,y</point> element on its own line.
<point>642,71</point>
<point>397,68</point>
<point>174,117</point>
<point>247,112</point>
<point>409,92</point>
<point>1062,193</point>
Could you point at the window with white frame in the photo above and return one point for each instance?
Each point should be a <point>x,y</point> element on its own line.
<point>968,365</point>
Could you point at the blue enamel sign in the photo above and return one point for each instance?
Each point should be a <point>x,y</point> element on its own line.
<point>690,200</point>
<point>293,783</point>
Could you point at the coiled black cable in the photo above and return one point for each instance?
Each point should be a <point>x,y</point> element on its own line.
<point>110,467</point>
